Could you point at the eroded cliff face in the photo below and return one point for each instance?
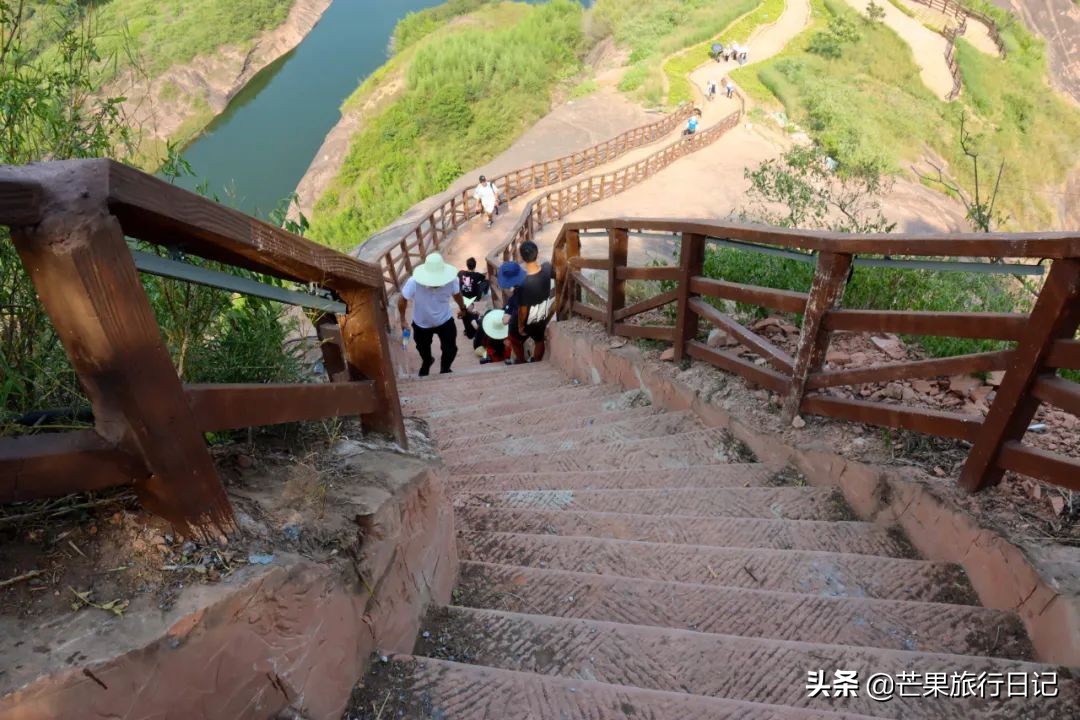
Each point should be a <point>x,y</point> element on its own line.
<point>1058,22</point>
<point>178,104</point>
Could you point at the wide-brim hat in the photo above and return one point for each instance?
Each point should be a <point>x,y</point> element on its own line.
<point>435,272</point>
<point>511,275</point>
<point>493,324</point>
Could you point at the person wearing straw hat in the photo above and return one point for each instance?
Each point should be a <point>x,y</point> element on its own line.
<point>431,287</point>
<point>491,336</point>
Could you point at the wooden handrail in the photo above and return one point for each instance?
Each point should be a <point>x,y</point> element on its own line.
<point>1045,336</point>
<point>68,222</point>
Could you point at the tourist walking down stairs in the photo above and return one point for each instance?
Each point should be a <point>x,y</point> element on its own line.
<point>530,305</point>
<point>430,288</point>
<point>486,195</point>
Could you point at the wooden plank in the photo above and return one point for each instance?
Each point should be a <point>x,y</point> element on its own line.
<point>1064,354</point>
<point>1045,465</point>
<point>1059,392</point>
<point>82,269</point>
<point>20,202</point>
<point>936,367</point>
<point>584,263</point>
<point>646,305</point>
<point>1054,317</point>
<point>41,466</point>
<point>155,211</point>
<point>231,406</point>
<point>588,287</point>
<point>651,332</point>
<point>830,279</point>
<point>931,422</point>
<point>756,374</point>
<point>990,326</point>
<point>776,357</point>
<point>691,262</point>
<point>781,300</point>
<point>366,339</point>
<point>649,273</point>
<point>593,313</point>
<point>332,347</point>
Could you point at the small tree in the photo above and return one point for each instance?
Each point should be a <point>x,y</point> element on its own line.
<point>874,12</point>
<point>979,202</point>
<point>830,42</point>
<point>800,189</point>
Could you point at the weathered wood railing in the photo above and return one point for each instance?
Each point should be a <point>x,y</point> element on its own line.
<point>432,231</point>
<point>1044,340</point>
<point>68,222</point>
<point>948,7</point>
<point>562,201</point>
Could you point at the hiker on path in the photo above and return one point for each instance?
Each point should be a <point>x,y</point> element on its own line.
<point>486,195</point>
<point>710,89</point>
<point>491,337</point>
<point>431,288</point>
<point>744,55</point>
<point>729,87</point>
<point>474,286</point>
<point>530,305</point>
<point>692,123</point>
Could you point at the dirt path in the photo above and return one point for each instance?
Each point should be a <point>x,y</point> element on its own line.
<point>926,45</point>
<point>977,33</point>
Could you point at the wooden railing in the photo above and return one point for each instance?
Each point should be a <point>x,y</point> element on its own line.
<point>1044,339</point>
<point>68,222</point>
<point>948,7</point>
<point>431,232</point>
<point>562,201</point>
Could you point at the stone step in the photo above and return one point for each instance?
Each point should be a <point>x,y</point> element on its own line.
<point>511,404</point>
<point>726,475</point>
<point>657,425</point>
<point>474,373</point>
<point>724,666</point>
<point>896,625</point>
<point>791,503</point>
<point>675,451</point>
<point>421,688</point>
<point>521,421</point>
<point>484,382</point>
<point>493,392</point>
<point>587,421</point>
<point>846,537</point>
<point>799,571</point>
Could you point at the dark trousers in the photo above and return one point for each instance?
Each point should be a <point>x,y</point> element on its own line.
<point>447,333</point>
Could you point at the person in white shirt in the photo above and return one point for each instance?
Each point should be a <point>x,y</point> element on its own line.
<point>486,195</point>
<point>431,288</point>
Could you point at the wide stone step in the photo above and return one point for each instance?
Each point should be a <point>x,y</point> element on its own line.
<point>725,475</point>
<point>521,421</point>
<point>557,425</point>
<point>798,571</point>
<point>792,503</point>
<point>516,402</point>
<point>925,627</point>
<point>493,391</point>
<point>474,373</point>
<point>674,451</point>
<point>846,537</point>
<point>658,425</point>
<point>421,688</point>
<point>723,666</point>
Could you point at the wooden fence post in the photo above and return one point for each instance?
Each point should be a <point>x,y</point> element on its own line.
<point>567,292</point>
<point>1055,316</point>
<point>691,263</point>
<point>618,241</point>
<point>86,278</point>
<point>830,278</point>
<point>366,341</point>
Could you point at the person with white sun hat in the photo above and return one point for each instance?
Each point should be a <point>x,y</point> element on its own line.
<point>431,287</point>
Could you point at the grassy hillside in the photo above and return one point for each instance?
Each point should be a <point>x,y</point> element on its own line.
<point>869,105</point>
<point>451,100</point>
<point>157,34</point>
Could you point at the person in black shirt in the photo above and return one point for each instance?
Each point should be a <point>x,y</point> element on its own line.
<point>474,286</point>
<point>530,305</point>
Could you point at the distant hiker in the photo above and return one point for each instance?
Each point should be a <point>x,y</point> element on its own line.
<point>491,337</point>
<point>716,51</point>
<point>487,199</point>
<point>431,288</point>
<point>530,305</point>
<point>692,123</point>
<point>729,87</point>
<point>744,55</point>
<point>710,89</point>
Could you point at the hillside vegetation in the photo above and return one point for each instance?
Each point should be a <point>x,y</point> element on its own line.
<point>867,104</point>
<point>460,95</point>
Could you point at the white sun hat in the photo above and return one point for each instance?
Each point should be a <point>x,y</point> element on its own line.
<point>435,272</point>
<point>493,324</point>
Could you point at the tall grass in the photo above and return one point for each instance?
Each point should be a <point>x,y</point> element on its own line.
<point>468,92</point>
<point>870,103</point>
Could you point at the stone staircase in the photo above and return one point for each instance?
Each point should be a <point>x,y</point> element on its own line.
<point>621,561</point>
